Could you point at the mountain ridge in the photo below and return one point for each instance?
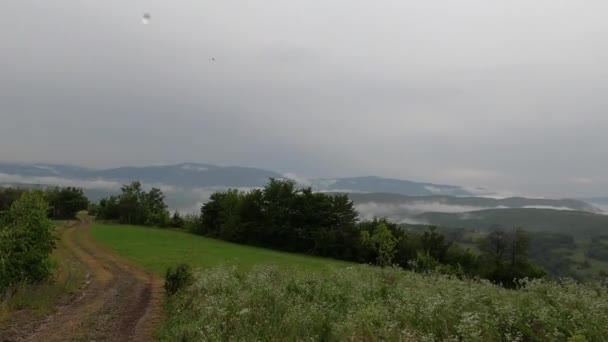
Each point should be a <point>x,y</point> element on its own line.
<point>193,174</point>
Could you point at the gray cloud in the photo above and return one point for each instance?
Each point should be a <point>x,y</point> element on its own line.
<point>502,95</point>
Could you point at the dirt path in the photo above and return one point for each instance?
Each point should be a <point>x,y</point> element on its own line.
<point>118,302</point>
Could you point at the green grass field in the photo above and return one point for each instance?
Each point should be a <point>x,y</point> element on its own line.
<point>158,249</point>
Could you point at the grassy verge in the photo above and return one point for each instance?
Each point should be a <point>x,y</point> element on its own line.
<point>40,299</point>
<point>158,249</point>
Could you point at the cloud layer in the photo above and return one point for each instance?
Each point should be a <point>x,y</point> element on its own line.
<point>502,95</point>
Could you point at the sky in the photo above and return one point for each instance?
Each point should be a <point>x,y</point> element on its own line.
<point>506,95</point>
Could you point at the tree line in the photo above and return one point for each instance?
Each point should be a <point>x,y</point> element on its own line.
<point>134,205</point>
<point>282,216</point>
<point>63,202</point>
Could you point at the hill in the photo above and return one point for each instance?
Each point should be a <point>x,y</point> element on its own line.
<point>402,208</point>
<point>476,202</point>
<point>386,185</point>
<point>576,223</point>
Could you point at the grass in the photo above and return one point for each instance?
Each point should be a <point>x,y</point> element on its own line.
<point>158,249</point>
<point>39,299</point>
<point>243,293</point>
<point>363,303</point>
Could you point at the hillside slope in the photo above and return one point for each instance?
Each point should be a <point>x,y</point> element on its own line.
<point>576,223</point>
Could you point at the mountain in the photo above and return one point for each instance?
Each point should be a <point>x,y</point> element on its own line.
<point>579,224</point>
<point>179,175</point>
<point>386,185</point>
<point>197,175</point>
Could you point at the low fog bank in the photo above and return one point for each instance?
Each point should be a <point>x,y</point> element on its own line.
<point>405,212</point>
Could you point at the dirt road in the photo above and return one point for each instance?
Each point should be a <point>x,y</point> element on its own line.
<point>118,302</point>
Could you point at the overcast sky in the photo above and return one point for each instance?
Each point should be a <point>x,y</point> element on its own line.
<point>508,95</point>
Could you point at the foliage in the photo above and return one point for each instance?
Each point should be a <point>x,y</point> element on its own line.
<point>434,244</point>
<point>283,217</point>
<point>65,203</point>
<point>598,249</point>
<point>178,278</point>
<point>382,243</point>
<point>380,304</point>
<point>26,241</point>
<point>505,253</point>
<point>177,221</point>
<point>191,221</point>
<point>135,206</point>
<point>40,299</point>
<point>8,196</point>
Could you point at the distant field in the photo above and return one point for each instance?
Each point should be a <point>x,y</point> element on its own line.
<point>158,249</point>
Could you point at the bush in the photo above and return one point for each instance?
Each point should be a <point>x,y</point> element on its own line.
<point>178,278</point>
<point>26,241</point>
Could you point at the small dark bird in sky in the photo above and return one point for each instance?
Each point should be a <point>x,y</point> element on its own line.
<point>145,18</point>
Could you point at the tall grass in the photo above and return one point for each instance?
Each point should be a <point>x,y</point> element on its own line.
<point>363,303</point>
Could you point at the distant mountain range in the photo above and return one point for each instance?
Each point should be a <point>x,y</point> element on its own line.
<point>188,185</point>
<point>197,175</point>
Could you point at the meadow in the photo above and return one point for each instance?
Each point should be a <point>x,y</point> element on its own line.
<point>243,293</point>
<point>364,303</point>
<point>158,249</point>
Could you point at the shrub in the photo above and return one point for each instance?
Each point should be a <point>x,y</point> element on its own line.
<point>26,241</point>
<point>178,278</point>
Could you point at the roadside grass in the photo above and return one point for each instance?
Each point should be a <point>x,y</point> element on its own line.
<point>39,299</point>
<point>158,249</point>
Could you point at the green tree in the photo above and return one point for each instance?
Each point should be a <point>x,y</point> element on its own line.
<point>65,203</point>
<point>382,242</point>
<point>135,206</point>
<point>435,245</point>
<point>177,221</point>
<point>507,257</point>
